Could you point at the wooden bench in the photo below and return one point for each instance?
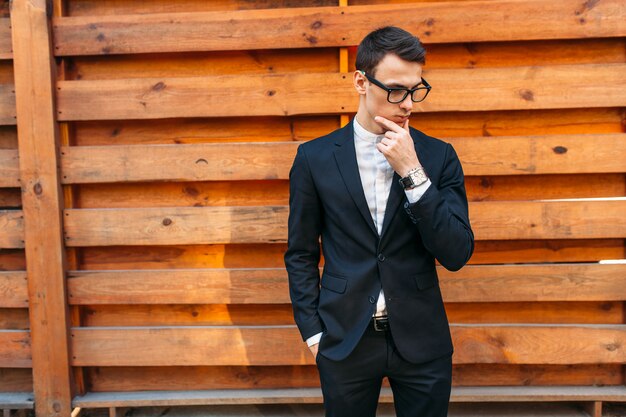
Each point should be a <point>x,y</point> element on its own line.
<point>591,397</point>
<point>16,401</point>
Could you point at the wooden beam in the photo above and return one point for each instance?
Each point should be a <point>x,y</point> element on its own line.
<point>257,345</point>
<point>508,220</point>
<point>15,349</point>
<point>34,70</point>
<point>11,229</point>
<point>13,289</point>
<point>444,22</point>
<point>493,220</point>
<point>474,283</point>
<point>7,105</point>
<point>478,89</point>
<point>507,155</point>
<point>9,168</point>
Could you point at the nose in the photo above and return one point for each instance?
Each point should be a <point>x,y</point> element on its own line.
<point>407,103</point>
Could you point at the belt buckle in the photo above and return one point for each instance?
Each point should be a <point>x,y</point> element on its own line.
<point>381,324</point>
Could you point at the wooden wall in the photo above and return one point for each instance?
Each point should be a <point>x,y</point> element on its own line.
<point>177,123</point>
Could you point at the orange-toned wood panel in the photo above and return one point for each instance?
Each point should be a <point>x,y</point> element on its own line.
<point>114,7</point>
<point>6,70</point>
<point>6,49</point>
<point>271,255</point>
<point>256,345</point>
<point>13,289</point>
<point>16,380</point>
<point>15,349</point>
<point>12,260</point>
<point>11,229</point>
<point>7,105</point>
<point>290,94</point>
<point>9,168</point>
<point>238,377</point>
<point>210,130</point>
<point>510,283</point>
<point>10,198</point>
<point>562,154</point>
<point>14,319</point>
<point>301,128</point>
<point>196,64</point>
<point>492,220</point>
<point>8,137</point>
<point>597,312</point>
<point>444,22</point>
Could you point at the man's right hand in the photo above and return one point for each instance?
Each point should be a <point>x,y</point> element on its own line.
<point>314,349</point>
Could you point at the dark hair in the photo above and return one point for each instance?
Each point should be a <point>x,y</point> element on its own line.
<point>388,40</point>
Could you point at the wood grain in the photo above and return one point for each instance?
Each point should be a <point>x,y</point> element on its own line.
<point>9,168</point>
<point>486,283</point>
<point>558,154</point>
<point>256,345</point>
<point>6,49</point>
<point>515,88</point>
<point>13,289</point>
<point>15,349</point>
<point>7,105</point>
<point>35,73</point>
<point>491,220</point>
<point>12,229</point>
<point>446,22</point>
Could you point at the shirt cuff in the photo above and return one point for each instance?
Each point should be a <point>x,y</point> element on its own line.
<point>314,340</point>
<point>416,193</point>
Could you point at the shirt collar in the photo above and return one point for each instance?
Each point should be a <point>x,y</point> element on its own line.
<point>361,133</point>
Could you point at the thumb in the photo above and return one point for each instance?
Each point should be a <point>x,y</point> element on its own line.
<point>405,126</point>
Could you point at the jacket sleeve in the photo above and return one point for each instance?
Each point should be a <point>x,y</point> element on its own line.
<point>303,248</point>
<point>442,218</point>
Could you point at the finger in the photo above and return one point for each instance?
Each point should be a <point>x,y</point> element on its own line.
<point>388,124</point>
<point>405,126</point>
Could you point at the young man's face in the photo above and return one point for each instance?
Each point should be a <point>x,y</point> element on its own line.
<point>392,71</point>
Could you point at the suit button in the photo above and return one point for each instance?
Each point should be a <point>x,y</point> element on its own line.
<point>381,257</point>
<point>372,299</point>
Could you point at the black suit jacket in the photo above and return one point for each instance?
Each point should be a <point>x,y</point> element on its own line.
<point>327,200</point>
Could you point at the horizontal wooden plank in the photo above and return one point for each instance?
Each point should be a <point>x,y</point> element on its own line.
<point>11,229</point>
<point>16,380</point>
<point>150,378</point>
<point>256,345</point>
<point>445,22</point>
<point>15,349</point>
<point>13,289</point>
<point>9,168</point>
<point>492,220</point>
<point>202,314</point>
<point>12,318</point>
<point>6,48</point>
<point>479,89</point>
<point>474,283</point>
<point>8,113</point>
<point>314,395</point>
<point>495,220</point>
<point>557,154</point>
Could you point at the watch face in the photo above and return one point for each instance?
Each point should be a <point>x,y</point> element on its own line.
<point>419,177</point>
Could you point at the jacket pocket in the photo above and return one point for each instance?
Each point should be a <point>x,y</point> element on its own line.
<point>334,284</point>
<point>426,280</point>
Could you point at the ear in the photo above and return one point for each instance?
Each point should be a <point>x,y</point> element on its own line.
<point>359,82</point>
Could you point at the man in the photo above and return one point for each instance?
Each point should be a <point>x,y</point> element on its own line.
<point>386,200</point>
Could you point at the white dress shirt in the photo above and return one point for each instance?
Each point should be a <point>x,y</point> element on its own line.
<point>376,177</point>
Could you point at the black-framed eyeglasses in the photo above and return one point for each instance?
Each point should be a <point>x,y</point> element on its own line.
<point>397,95</point>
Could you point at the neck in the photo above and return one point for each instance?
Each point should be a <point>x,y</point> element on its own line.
<point>368,123</point>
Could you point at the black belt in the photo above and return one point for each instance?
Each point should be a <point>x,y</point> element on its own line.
<point>380,324</point>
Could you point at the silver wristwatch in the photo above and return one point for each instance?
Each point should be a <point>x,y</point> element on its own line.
<point>414,177</point>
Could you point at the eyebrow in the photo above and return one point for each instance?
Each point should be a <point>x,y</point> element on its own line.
<point>396,85</point>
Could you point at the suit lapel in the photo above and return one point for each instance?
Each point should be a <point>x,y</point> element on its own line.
<point>345,156</point>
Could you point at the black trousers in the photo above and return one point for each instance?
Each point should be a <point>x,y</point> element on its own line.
<point>351,387</point>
